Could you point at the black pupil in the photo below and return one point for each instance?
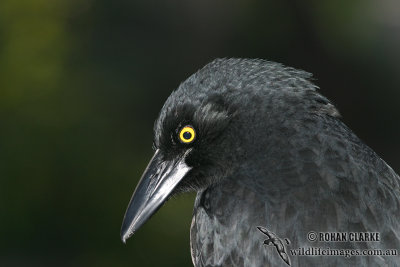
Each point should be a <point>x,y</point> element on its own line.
<point>187,135</point>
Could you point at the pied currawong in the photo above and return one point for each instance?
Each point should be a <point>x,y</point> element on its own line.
<point>262,148</point>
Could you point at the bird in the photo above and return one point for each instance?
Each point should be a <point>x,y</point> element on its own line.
<point>262,147</point>
<point>277,242</point>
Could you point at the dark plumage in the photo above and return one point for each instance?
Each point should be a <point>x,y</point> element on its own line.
<point>269,151</point>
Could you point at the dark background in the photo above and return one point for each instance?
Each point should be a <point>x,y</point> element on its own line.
<point>81,83</point>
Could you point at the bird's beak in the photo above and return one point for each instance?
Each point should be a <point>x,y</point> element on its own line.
<point>157,183</point>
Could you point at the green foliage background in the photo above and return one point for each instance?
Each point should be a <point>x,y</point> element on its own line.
<point>81,83</point>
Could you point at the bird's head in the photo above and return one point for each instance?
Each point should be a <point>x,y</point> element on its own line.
<point>217,118</point>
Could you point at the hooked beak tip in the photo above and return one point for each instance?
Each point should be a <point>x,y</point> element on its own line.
<point>125,237</point>
<point>157,183</point>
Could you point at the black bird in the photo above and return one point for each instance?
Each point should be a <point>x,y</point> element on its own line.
<point>261,147</point>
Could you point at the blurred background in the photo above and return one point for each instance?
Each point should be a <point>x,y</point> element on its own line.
<point>81,83</point>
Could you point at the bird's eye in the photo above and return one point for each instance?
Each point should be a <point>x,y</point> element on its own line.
<point>187,134</point>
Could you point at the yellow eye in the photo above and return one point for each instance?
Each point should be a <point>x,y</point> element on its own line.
<point>187,134</point>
